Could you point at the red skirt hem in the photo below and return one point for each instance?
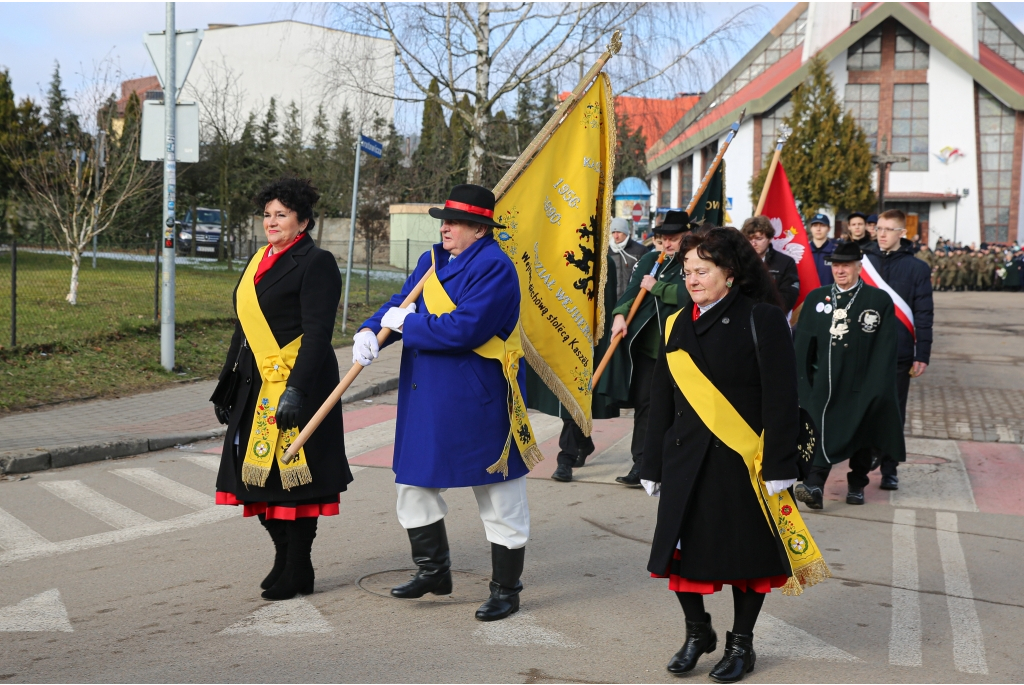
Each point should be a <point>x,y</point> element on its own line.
<point>280,513</point>
<point>761,586</point>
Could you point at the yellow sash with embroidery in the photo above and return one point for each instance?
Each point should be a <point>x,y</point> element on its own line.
<point>266,442</point>
<point>507,353</point>
<point>728,426</point>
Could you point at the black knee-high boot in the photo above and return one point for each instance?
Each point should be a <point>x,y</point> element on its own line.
<point>739,655</point>
<point>298,575</point>
<point>506,570</point>
<point>433,560</point>
<point>700,636</point>
<point>279,535</point>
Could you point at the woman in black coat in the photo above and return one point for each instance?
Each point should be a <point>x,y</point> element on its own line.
<point>711,527</point>
<point>286,302</point>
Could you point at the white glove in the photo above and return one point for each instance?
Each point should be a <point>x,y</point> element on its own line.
<point>395,317</point>
<point>364,348</point>
<point>653,489</point>
<point>774,487</point>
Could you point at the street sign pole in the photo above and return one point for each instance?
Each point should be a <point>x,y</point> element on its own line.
<point>351,233</point>
<point>170,175</point>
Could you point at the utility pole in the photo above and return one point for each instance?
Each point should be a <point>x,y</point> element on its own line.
<point>170,176</point>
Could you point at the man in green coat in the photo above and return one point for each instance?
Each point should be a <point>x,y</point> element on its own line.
<point>635,357</point>
<point>846,363</point>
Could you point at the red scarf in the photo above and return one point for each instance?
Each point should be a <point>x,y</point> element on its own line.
<point>269,260</point>
<point>696,311</point>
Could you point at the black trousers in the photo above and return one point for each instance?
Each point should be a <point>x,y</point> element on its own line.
<point>572,443</point>
<point>860,466</point>
<point>889,464</point>
<point>640,398</point>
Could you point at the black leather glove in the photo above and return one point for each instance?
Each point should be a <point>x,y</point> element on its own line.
<point>288,408</point>
<point>223,414</point>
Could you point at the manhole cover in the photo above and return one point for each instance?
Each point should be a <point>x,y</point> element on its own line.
<point>466,586</point>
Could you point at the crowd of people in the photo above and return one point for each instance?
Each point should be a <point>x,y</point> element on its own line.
<point>988,267</point>
<point>729,412</point>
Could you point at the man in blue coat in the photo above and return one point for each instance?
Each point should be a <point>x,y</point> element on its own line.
<point>453,414</point>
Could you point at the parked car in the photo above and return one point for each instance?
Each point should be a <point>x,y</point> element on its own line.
<point>207,232</point>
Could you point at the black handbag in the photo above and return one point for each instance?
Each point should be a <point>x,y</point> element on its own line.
<point>226,392</point>
<point>808,437</point>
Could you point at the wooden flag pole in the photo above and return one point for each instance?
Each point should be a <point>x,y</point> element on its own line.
<point>332,400</point>
<point>661,258</point>
<point>784,132</point>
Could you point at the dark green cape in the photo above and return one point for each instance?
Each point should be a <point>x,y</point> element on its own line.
<point>859,408</point>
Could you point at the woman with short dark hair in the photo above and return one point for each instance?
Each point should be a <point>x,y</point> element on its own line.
<point>279,369</point>
<point>718,385</point>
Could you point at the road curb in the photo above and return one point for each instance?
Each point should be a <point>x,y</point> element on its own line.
<point>43,458</point>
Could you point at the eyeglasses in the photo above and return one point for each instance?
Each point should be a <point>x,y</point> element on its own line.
<point>879,229</point>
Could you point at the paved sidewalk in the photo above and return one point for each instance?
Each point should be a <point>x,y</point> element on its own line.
<point>103,429</point>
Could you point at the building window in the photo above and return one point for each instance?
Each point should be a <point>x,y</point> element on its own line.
<point>708,154</point>
<point>665,188</point>
<point>770,123</point>
<point>911,51</point>
<point>910,125</point>
<point>866,53</point>
<point>791,37</point>
<point>998,41</point>
<point>996,124</point>
<point>686,180</point>
<point>861,100</point>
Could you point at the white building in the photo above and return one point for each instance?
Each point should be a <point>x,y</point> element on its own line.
<point>942,82</point>
<point>238,69</point>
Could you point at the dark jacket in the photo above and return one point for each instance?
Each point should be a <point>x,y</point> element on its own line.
<point>625,262</point>
<point>707,501</point>
<point>821,256</point>
<point>848,384</point>
<point>912,280</point>
<point>452,409</point>
<point>299,295</point>
<point>784,273</point>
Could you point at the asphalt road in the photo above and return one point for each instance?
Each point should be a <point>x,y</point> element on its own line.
<point>125,571</point>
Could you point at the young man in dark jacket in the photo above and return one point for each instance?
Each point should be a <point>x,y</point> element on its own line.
<point>759,231</point>
<point>822,247</point>
<point>891,263</point>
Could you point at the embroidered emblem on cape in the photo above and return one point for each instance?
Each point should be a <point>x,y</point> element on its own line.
<point>869,320</point>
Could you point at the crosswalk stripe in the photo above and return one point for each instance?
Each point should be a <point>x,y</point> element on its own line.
<point>206,461</point>
<point>80,495</point>
<point>165,487</point>
<point>16,536</point>
<point>363,440</point>
<point>968,644</point>
<point>905,634</point>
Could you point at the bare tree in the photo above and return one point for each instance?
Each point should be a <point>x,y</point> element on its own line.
<point>488,50</point>
<point>78,178</point>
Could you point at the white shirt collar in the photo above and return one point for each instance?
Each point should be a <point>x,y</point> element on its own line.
<point>846,290</point>
<point>704,308</point>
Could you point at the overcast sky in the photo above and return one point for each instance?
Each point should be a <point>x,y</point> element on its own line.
<point>79,35</point>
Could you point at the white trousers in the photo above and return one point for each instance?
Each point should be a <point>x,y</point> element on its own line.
<point>503,509</point>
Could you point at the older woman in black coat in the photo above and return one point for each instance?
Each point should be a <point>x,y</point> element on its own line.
<point>712,529</point>
<point>286,302</point>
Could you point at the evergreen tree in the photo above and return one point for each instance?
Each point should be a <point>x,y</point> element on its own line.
<point>630,150</point>
<point>460,132</point>
<point>61,122</point>
<point>502,149</point>
<point>827,158</point>
<point>431,162</point>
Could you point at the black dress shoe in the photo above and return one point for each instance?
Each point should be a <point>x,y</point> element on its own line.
<point>585,451</point>
<point>431,554</point>
<point>631,479</point>
<point>562,474</point>
<point>809,495</point>
<point>890,483</point>
<point>738,660</point>
<point>700,639</point>
<point>506,569</point>
<point>855,496</point>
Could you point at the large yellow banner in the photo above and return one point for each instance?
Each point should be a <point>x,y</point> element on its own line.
<point>556,218</point>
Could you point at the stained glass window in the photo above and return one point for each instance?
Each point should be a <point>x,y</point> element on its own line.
<point>910,125</point>
<point>996,124</point>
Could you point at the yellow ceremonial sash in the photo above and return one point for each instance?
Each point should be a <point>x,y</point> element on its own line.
<point>266,442</point>
<point>507,353</point>
<point>728,426</point>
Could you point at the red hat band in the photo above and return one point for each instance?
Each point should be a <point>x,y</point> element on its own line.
<point>472,209</point>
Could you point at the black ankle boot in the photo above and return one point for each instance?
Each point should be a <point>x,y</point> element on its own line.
<point>279,535</point>
<point>738,660</point>
<point>431,554</point>
<point>506,569</point>
<point>700,639</point>
<point>298,576</point>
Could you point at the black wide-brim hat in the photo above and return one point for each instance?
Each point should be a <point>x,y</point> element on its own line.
<point>468,202</point>
<point>675,222</point>
<point>846,251</point>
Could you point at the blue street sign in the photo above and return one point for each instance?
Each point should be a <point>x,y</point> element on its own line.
<point>371,146</point>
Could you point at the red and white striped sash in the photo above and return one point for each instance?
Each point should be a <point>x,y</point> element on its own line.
<point>903,312</point>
